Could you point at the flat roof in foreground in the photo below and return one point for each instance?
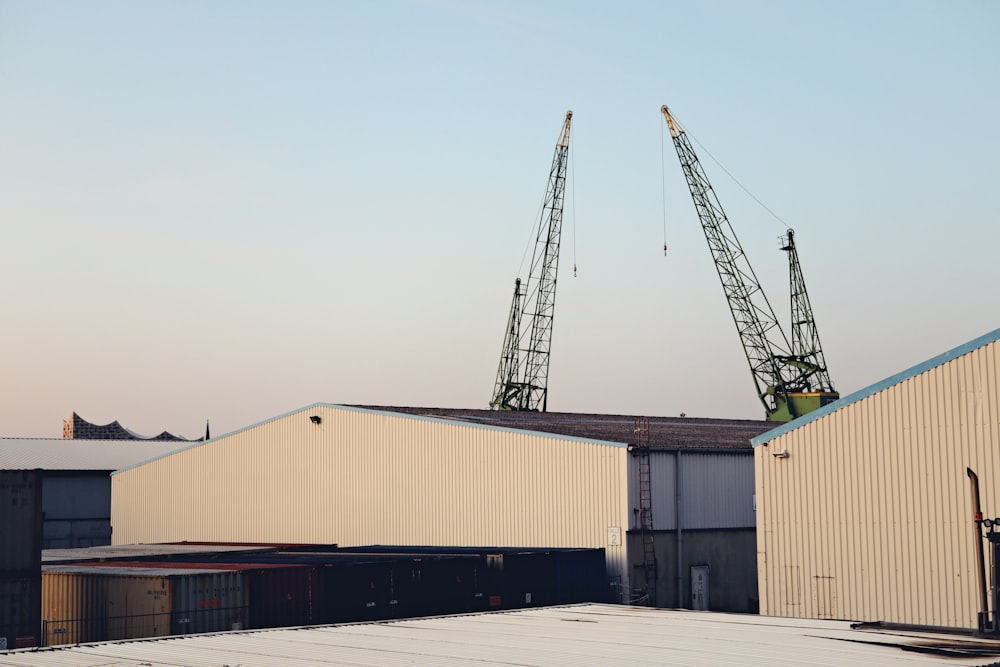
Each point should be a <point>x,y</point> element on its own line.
<point>550,637</point>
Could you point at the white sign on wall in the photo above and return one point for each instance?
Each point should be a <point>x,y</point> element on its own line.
<point>614,536</point>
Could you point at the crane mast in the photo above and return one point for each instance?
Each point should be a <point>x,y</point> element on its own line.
<point>522,378</point>
<point>791,380</point>
<point>507,394</point>
<point>805,336</point>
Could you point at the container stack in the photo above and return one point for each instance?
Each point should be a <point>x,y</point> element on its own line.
<point>221,588</point>
<point>102,603</point>
<point>20,558</point>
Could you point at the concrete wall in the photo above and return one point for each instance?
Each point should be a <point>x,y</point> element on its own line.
<point>729,554</point>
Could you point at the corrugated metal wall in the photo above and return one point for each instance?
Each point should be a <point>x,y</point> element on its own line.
<point>716,489</point>
<point>869,517</point>
<point>77,507</point>
<point>361,477</point>
<point>20,557</point>
<point>20,523</point>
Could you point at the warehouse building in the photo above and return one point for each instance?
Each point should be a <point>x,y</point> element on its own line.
<point>75,482</point>
<point>354,476</point>
<point>864,508</point>
<point>78,428</point>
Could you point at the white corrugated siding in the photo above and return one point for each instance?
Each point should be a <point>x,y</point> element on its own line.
<point>716,490</point>
<point>869,517</point>
<point>363,477</point>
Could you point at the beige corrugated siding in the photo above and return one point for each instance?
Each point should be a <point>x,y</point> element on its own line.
<point>363,477</point>
<point>869,517</point>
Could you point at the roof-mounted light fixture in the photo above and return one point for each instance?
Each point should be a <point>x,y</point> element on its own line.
<point>315,419</point>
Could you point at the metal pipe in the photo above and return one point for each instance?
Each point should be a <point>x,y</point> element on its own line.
<point>984,611</point>
<point>678,515</point>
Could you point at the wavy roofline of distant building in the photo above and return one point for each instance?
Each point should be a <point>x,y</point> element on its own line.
<point>78,428</point>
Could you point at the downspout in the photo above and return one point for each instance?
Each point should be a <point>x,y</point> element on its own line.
<point>680,533</point>
<point>984,613</point>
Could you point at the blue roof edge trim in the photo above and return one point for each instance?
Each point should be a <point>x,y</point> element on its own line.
<point>224,435</point>
<point>386,413</point>
<point>870,390</point>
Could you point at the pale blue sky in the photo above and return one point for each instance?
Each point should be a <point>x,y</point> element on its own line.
<point>228,210</point>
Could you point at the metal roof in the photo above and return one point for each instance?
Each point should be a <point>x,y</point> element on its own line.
<point>664,432</point>
<point>861,394</point>
<point>133,551</point>
<point>615,430</point>
<point>65,454</point>
<point>108,571</point>
<point>574,636</point>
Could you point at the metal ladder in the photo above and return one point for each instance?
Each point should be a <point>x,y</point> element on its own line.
<point>646,509</point>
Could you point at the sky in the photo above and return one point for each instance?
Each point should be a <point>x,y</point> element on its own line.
<point>228,210</point>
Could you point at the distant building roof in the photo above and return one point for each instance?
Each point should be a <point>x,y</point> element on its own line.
<point>78,428</point>
<point>591,634</point>
<point>664,432</point>
<point>59,454</point>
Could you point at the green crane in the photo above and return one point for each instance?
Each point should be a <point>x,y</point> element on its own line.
<point>523,375</point>
<point>791,379</point>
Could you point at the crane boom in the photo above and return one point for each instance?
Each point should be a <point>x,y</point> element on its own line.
<point>790,381</point>
<point>507,395</point>
<point>522,383</point>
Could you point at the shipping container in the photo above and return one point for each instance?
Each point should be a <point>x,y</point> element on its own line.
<point>83,604</point>
<point>155,552</point>
<point>360,587</point>
<point>275,595</point>
<point>20,523</point>
<point>512,577</point>
<point>381,582</point>
<point>20,612</point>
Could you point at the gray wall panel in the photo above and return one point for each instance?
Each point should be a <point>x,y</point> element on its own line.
<point>84,496</point>
<point>717,490</point>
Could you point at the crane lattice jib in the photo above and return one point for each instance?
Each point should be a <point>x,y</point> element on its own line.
<point>542,279</point>
<point>754,317</point>
<point>805,336</point>
<point>507,391</point>
<point>790,380</point>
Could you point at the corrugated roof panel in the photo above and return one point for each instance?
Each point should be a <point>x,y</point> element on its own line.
<point>131,551</point>
<point>61,454</point>
<point>576,636</point>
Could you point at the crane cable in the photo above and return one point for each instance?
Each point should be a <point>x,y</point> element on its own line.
<point>736,181</point>
<point>572,159</point>
<point>663,187</point>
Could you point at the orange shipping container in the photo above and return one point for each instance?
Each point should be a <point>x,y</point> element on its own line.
<point>86,604</point>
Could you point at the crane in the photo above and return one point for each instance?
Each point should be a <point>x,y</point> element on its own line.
<point>791,380</point>
<point>523,374</point>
